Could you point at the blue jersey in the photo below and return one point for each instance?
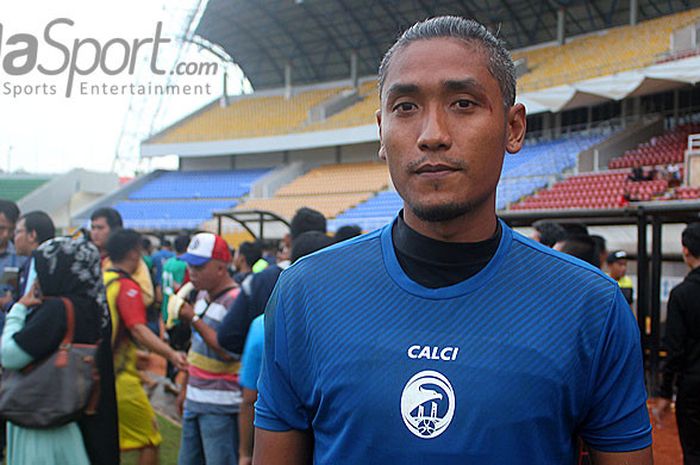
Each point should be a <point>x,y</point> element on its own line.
<point>252,354</point>
<point>506,367</point>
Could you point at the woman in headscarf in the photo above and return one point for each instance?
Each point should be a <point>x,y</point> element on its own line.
<point>69,268</point>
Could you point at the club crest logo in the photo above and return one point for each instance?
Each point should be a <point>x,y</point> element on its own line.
<point>427,404</point>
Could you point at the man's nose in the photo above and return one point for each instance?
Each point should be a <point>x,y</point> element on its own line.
<point>435,134</point>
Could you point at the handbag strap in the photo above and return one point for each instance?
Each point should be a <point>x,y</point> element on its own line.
<point>62,355</point>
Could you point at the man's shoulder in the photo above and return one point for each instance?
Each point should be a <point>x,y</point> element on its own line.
<point>557,267</point>
<point>690,286</point>
<point>339,257</point>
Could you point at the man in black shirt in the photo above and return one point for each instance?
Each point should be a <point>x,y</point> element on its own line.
<point>683,343</point>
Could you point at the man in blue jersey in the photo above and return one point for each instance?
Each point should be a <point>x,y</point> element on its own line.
<point>445,337</point>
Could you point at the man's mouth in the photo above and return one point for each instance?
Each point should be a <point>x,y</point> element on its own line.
<point>436,169</point>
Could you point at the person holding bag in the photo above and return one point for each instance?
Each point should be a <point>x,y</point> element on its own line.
<point>66,269</point>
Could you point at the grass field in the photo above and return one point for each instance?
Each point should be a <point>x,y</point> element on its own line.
<point>168,448</point>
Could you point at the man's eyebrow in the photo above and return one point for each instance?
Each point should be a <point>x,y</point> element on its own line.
<point>464,85</point>
<point>401,89</point>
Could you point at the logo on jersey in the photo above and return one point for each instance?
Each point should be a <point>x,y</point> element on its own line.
<point>427,404</point>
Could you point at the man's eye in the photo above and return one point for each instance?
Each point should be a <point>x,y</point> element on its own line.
<point>463,103</point>
<point>404,106</point>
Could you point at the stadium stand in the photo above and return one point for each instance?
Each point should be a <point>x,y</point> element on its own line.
<point>665,149</point>
<point>199,184</point>
<point>15,187</point>
<point>601,53</point>
<point>616,188</point>
<point>248,116</point>
<point>330,189</point>
<point>185,199</point>
<point>360,114</point>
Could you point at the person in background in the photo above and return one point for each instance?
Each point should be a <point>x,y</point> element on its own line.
<point>682,339</point>
<point>32,229</point>
<point>617,270</point>
<point>35,327</point>
<point>547,232</point>
<point>103,222</point>
<point>175,275</point>
<point>159,258</point>
<point>138,429</point>
<point>256,288</point>
<point>581,246</point>
<point>245,258</point>
<point>347,232</point>
<point>10,262</point>
<point>601,249</point>
<point>251,361</point>
<point>210,398</point>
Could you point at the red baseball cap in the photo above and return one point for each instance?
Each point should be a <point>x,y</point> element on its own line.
<point>204,247</point>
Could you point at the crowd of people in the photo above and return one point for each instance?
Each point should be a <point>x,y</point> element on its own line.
<point>444,337</point>
<point>194,306</point>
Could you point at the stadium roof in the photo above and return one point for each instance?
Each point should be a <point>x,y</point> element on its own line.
<point>317,37</point>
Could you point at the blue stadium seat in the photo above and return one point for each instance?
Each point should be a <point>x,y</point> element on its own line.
<point>185,199</point>
<point>199,184</point>
<point>168,214</point>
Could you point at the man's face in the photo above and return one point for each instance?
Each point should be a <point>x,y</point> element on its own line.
<point>25,242</point>
<point>443,128</point>
<point>99,232</point>
<point>618,269</point>
<point>6,230</point>
<point>207,276</point>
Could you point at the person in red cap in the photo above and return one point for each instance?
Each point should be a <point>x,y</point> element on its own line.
<point>211,399</point>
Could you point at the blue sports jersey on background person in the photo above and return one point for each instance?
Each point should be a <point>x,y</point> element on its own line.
<point>251,363</point>
<point>507,367</point>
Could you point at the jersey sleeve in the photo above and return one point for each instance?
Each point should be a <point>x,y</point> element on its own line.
<point>252,354</point>
<point>279,406</point>
<point>618,419</point>
<point>130,305</point>
<point>231,334</point>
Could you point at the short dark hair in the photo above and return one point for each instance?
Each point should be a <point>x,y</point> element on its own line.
<point>347,232</point>
<point>40,223</point>
<point>10,210</point>
<point>146,243</point>
<point>121,242</point>
<point>307,219</point>
<point>690,238</point>
<point>111,216</point>
<point>181,243</point>
<point>166,243</point>
<point>600,243</point>
<point>583,247</point>
<point>308,243</point>
<point>500,63</point>
<point>252,251</point>
<point>550,232</point>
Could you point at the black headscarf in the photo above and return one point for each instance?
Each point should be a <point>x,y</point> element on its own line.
<point>70,267</point>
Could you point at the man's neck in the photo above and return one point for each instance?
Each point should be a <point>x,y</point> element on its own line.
<point>124,266</point>
<point>3,248</point>
<point>475,226</point>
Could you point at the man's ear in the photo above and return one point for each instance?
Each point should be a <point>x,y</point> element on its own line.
<point>382,150</point>
<point>31,235</point>
<point>685,252</point>
<point>516,127</point>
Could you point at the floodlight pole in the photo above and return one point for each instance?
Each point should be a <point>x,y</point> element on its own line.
<point>561,25</point>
